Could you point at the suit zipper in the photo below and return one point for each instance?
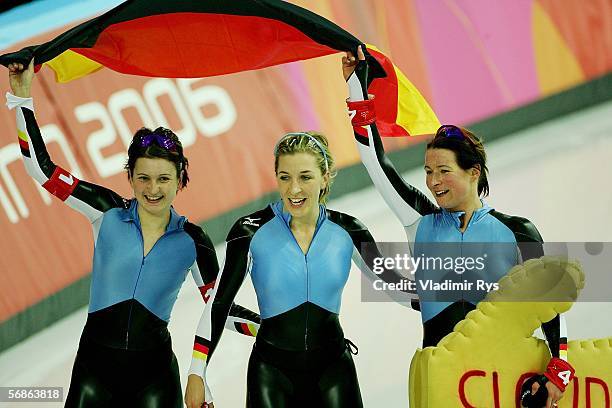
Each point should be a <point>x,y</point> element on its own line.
<point>129,322</point>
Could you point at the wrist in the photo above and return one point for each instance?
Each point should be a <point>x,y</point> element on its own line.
<point>559,372</point>
<point>22,92</point>
<point>362,113</point>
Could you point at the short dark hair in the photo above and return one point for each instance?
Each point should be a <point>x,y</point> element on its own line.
<point>155,151</point>
<point>469,152</point>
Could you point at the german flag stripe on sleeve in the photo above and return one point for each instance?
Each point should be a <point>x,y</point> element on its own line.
<point>201,348</point>
<point>245,328</point>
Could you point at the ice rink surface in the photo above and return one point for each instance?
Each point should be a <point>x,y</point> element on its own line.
<point>556,174</point>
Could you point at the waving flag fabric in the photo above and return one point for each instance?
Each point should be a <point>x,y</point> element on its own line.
<point>399,104</point>
<point>192,39</point>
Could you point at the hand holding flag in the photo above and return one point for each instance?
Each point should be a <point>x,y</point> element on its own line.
<point>194,39</point>
<point>349,62</point>
<point>20,78</point>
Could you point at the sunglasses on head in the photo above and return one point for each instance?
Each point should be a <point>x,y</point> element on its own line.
<point>453,132</point>
<point>161,140</point>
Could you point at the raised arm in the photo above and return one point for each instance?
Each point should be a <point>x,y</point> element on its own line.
<point>215,315</point>
<point>89,199</point>
<point>399,195</point>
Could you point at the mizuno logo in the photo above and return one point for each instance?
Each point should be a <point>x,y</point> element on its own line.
<point>250,221</point>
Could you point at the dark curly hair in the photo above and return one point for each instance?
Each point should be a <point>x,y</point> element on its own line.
<point>155,151</point>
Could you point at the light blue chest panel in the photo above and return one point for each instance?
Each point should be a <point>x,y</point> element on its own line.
<point>120,272</point>
<point>438,235</point>
<point>285,278</point>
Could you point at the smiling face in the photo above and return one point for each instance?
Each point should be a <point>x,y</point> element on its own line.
<point>155,184</point>
<point>300,182</point>
<point>454,188</point>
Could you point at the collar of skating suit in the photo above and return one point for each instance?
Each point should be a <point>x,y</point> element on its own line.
<point>454,216</point>
<point>131,215</point>
<point>278,209</point>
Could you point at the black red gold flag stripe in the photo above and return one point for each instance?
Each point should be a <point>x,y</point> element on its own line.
<point>200,38</point>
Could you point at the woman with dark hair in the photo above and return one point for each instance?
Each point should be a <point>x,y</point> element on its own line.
<point>456,175</point>
<point>298,254</point>
<point>143,251</point>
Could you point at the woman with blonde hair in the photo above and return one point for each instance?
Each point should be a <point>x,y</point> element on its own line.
<point>298,253</point>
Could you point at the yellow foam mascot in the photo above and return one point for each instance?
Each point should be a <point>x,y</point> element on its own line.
<point>485,360</point>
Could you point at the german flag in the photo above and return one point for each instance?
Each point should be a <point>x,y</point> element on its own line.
<point>193,39</point>
<point>401,109</point>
